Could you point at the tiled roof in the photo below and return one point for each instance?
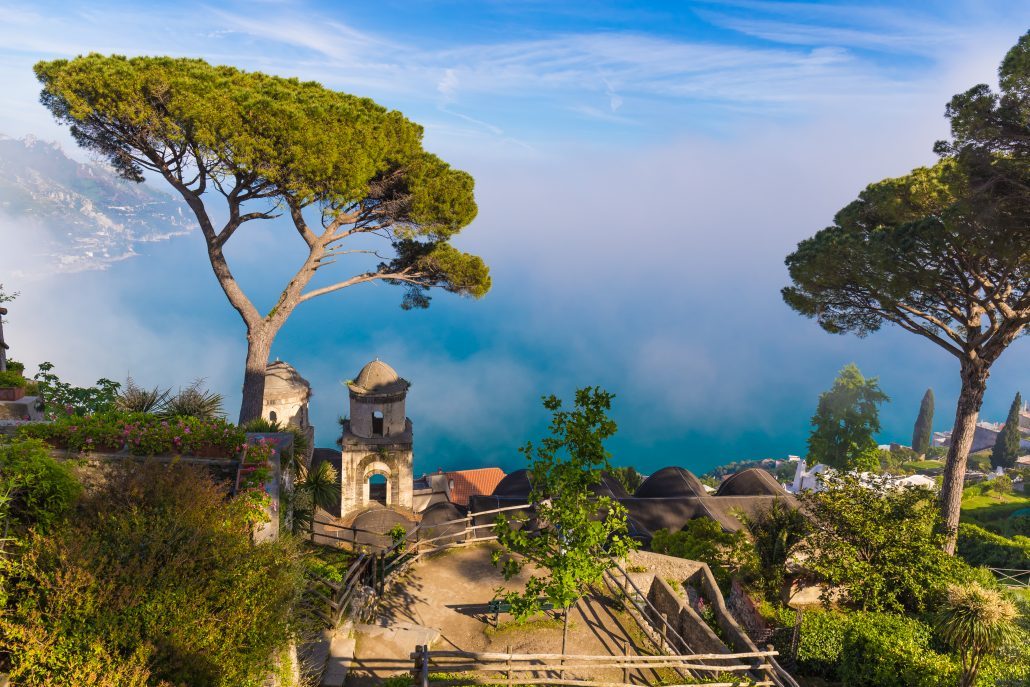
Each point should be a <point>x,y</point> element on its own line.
<point>466,483</point>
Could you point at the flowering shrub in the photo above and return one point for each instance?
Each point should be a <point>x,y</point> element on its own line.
<point>254,473</point>
<point>141,435</point>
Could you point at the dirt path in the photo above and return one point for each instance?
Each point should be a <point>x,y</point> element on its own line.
<point>446,597</point>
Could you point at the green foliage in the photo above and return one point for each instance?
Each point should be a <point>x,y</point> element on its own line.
<point>980,547</point>
<point>627,476</point>
<point>922,433</point>
<point>15,366</point>
<point>11,378</point>
<point>316,488</point>
<point>1006,447</point>
<point>327,563</point>
<point>775,532</point>
<point>871,650</point>
<point>140,434</point>
<point>297,142</point>
<point>154,582</point>
<point>845,421</point>
<point>879,546</point>
<point>976,622</point>
<point>702,539</point>
<point>135,399</point>
<point>38,490</point>
<point>260,425</point>
<point>576,534</point>
<point>60,398</point>
<point>194,401</point>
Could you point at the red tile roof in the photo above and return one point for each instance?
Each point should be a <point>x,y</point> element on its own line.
<point>466,483</point>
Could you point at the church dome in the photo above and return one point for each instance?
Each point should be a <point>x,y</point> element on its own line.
<point>282,380</point>
<point>377,378</point>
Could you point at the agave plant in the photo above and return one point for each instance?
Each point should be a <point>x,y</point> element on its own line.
<point>976,622</point>
<point>195,401</point>
<point>135,399</point>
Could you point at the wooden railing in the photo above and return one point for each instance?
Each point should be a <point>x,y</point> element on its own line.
<point>526,669</point>
<point>1010,577</point>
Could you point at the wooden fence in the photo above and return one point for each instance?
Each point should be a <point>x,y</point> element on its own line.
<point>1008,577</point>
<point>526,669</point>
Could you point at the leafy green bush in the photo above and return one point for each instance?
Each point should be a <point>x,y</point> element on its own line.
<point>702,539</point>
<point>155,582</point>
<point>879,548</point>
<point>872,650</point>
<point>61,398</point>
<point>978,546</point>
<point>15,366</point>
<point>11,378</point>
<point>140,434</point>
<point>39,489</point>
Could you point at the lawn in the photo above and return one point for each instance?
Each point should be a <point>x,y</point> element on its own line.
<point>990,509</point>
<point>919,465</point>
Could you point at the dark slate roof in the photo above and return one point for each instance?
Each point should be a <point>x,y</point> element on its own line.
<point>750,482</point>
<point>610,486</point>
<point>514,485</point>
<point>669,482</point>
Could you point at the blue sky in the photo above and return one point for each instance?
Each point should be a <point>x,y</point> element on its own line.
<point>642,169</point>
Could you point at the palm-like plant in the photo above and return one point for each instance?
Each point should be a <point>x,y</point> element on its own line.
<point>775,531</point>
<point>976,622</point>
<point>195,401</point>
<point>135,399</point>
<point>318,488</point>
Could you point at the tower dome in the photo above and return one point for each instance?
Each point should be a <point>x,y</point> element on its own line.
<point>377,378</point>
<point>286,395</point>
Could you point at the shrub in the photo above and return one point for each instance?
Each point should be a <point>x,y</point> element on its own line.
<point>978,546</point>
<point>140,434</point>
<point>155,582</point>
<point>11,378</point>
<point>871,649</point>
<point>39,489</point>
<point>880,548</point>
<point>702,539</point>
<point>194,401</point>
<point>15,366</point>
<point>882,650</point>
<point>61,398</point>
<point>136,399</point>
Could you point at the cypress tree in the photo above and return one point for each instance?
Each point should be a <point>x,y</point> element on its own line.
<point>923,430</point>
<point>1006,448</point>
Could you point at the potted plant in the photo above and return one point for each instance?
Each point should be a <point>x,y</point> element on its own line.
<point>12,386</point>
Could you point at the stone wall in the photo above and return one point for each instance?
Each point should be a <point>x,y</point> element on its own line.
<point>695,632</point>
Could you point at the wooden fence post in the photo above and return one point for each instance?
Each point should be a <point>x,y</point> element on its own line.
<point>507,673</point>
<point>625,669</point>
<point>422,665</point>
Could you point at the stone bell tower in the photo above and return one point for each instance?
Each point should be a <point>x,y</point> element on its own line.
<point>376,460</point>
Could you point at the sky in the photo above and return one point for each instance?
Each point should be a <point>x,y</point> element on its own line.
<point>642,170</point>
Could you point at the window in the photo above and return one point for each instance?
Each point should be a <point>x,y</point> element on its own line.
<point>377,423</point>
<point>272,416</point>
<point>377,485</point>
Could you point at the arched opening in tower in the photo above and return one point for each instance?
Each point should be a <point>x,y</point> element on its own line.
<point>377,485</point>
<point>377,423</point>
<point>272,416</point>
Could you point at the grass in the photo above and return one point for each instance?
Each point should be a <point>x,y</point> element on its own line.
<point>989,509</point>
<point>535,624</point>
<point>919,465</point>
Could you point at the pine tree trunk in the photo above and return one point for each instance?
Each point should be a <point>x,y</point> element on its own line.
<point>974,383</point>
<point>259,344</point>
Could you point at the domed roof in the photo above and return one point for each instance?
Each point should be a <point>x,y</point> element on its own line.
<point>281,379</point>
<point>377,378</point>
<point>515,484</point>
<point>750,482</point>
<point>670,482</point>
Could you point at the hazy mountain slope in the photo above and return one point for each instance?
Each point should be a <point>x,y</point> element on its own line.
<point>81,216</point>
